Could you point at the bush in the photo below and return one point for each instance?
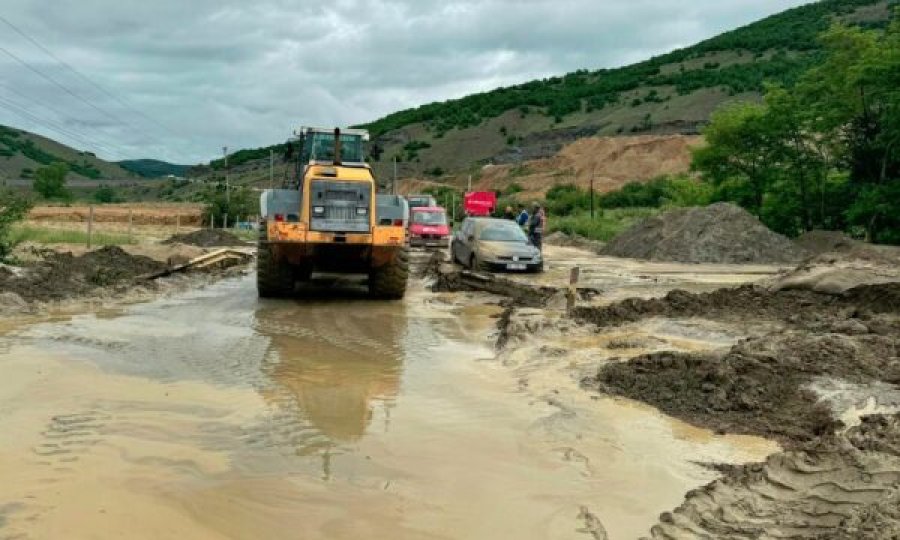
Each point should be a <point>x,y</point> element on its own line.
<point>241,202</point>
<point>603,227</point>
<point>13,208</point>
<point>105,194</point>
<point>660,192</point>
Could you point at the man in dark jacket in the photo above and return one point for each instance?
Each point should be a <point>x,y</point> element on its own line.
<point>536,226</point>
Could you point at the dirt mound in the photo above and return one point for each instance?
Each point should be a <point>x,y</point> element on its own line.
<point>206,238</point>
<point>799,308</point>
<point>62,275</point>
<point>562,239</point>
<point>719,233</point>
<point>839,271</point>
<point>816,242</point>
<point>842,487</point>
<point>759,386</point>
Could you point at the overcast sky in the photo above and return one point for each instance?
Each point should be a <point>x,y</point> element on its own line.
<point>178,79</point>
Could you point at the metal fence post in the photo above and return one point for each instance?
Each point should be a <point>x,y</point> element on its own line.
<point>90,226</point>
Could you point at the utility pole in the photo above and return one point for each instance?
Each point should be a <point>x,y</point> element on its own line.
<point>469,184</point>
<point>394,181</point>
<point>271,169</point>
<point>593,171</point>
<point>227,192</point>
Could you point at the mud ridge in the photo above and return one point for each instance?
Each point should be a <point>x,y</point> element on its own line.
<point>206,238</point>
<point>109,272</point>
<point>794,307</point>
<point>758,387</point>
<point>837,487</point>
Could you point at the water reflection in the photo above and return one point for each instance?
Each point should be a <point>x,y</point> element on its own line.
<point>336,362</point>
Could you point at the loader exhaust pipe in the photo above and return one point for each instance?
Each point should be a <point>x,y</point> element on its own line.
<point>337,146</point>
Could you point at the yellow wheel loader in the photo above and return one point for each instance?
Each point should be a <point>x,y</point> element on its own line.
<point>326,219</point>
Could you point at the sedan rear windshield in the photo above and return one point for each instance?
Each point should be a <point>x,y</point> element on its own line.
<point>503,233</point>
<point>430,218</point>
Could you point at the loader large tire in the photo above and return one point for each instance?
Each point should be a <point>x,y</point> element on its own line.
<point>274,279</point>
<point>389,281</point>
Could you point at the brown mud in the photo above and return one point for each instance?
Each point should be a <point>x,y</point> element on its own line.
<point>62,275</point>
<point>206,238</point>
<point>63,280</point>
<point>837,487</point>
<point>750,302</point>
<point>760,386</point>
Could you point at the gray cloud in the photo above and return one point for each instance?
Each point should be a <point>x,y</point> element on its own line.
<point>245,73</point>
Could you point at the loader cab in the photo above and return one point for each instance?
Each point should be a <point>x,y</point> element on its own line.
<point>318,147</point>
<point>337,186</point>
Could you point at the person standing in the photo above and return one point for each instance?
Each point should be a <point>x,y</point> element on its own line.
<point>536,226</point>
<point>509,214</point>
<point>523,218</point>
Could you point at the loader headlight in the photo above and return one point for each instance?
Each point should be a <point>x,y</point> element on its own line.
<point>361,210</point>
<point>318,210</point>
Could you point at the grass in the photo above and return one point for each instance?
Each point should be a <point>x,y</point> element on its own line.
<point>605,225</point>
<point>48,235</point>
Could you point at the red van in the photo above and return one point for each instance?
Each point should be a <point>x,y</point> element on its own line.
<point>428,227</point>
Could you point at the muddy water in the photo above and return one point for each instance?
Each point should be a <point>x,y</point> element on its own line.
<point>215,415</point>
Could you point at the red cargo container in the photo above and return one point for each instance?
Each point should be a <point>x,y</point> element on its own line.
<point>480,203</point>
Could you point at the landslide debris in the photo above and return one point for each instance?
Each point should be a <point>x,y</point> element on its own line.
<point>719,233</point>
<point>58,276</point>
<point>800,308</point>
<point>206,238</point>
<point>759,387</point>
<point>837,487</point>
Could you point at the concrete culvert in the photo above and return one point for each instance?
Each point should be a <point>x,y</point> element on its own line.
<point>719,233</point>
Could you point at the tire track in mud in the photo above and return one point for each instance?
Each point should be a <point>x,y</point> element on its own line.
<point>841,487</point>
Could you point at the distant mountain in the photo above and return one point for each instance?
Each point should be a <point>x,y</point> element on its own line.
<point>670,94</point>
<point>153,168</point>
<point>22,153</point>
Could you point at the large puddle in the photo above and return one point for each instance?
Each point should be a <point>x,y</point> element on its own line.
<point>215,415</point>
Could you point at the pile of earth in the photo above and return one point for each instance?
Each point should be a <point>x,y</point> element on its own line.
<point>562,239</point>
<point>798,308</point>
<point>818,241</point>
<point>719,233</point>
<point>206,238</point>
<point>839,487</point>
<point>762,385</point>
<point>59,276</point>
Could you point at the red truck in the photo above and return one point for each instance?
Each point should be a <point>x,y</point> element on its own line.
<point>428,227</point>
<point>480,203</point>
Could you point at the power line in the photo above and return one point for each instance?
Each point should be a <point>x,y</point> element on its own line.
<point>100,144</point>
<point>61,86</point>
<point>87,79</point>
<point>49,124</point>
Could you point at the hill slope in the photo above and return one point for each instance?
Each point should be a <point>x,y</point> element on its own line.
<point>22,153</point>
<point>153,168</point>
<point>671,94</point>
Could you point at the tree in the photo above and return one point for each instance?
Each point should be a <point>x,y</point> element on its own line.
<point>50,181</point>
<point>239,203</point>
<point>105,194</point>
<point>13,208</point>
<point>738,156</point>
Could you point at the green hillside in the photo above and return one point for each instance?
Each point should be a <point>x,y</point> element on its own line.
<point>673,93</point>
<point>153,168</point>
<point>22,153</point>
